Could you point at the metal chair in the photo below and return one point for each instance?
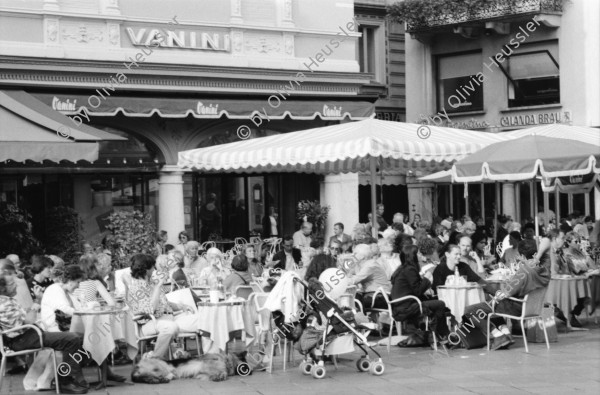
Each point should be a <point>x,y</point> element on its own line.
<point>7,352</point>
<point>532,305</point>
<point>266,325</point>
<point>240,240</point>
<point>243,291</point>
<point>398,324</point>
<point>207,244</point>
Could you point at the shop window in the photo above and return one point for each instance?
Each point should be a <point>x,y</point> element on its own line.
<point>533,78</point>
<point>458,87</point>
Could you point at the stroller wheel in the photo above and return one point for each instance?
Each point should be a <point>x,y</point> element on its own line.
<point>363,364</point>
<point>306,367</point>
<point>318,372</point>
<point>377,369</point>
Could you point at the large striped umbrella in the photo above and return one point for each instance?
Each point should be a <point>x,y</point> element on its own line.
<point>349,147</point>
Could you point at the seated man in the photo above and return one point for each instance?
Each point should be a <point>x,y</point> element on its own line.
<point>12,315</point>
<point>470,257</point>
<point>449,262</point>
<point>528,278</point>
<point>302,237</point>
<point>371,275</point>
<point>288,256</point>
<point>343,240</point>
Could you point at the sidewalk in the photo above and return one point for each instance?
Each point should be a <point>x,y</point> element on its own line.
<point>571,366</point>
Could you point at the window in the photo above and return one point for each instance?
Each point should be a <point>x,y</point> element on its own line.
<point>458,88</point>
<point>533,76</point>
<point>371,55</point>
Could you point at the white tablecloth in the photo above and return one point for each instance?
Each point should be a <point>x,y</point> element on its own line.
<point>457,298</point>
<point>219,319</point>
<point>101,330</point>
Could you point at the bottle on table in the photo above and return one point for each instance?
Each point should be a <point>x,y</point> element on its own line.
<point>456,276</point>
<point>221,288</point>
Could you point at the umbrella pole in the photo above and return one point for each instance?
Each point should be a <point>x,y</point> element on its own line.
<point>373,171</point>
<point>536,221</point>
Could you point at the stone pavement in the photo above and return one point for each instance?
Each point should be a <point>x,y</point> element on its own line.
<point>571,366</point>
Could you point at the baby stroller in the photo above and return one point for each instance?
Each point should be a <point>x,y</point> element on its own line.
<point>340,334</point>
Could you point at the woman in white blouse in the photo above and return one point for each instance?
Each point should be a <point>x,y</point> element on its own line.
<point>57,297</point>
<point>93,284</point>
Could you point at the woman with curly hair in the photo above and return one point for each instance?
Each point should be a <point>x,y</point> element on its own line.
<point>428,248</point>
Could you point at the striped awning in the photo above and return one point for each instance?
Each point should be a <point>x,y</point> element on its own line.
<point>342,148</point>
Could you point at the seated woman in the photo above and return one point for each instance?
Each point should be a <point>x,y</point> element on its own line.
<point>408,280</point>
<point>148,301</point>
<point>41,267</point>
<point>92,286</point>
<point>178,275</point>
<point>318,265</point>
<point>570,260</point>
<point>255,268</point>
<point>58,297</point>
<point>239,275</point>
<point>483,251</point>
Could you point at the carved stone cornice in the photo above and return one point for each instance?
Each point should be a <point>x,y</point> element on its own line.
<point>155,77</point>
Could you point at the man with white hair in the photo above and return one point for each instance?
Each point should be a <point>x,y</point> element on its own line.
<point>371,275</point>
<point>302,237</point>
<point>216,269</point>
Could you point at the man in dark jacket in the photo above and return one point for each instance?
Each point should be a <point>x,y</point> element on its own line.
<point>288,256</point>
<point>527,279</point>
<point>408,281</point>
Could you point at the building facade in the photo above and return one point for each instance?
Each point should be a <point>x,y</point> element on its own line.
<point>505,66</point>
<point>177,76</point>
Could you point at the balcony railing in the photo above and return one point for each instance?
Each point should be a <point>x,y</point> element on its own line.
<point>424,15</point>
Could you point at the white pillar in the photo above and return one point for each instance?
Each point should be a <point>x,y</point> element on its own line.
<point>421,196</point>
<point>597,202</point>
<point>340,191</point>
<point>508,200</point>
<point>170,202</point>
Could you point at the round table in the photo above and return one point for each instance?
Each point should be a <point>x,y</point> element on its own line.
<point>222,318</point>
<point>459,297</point>
<point>100,328</point>
<point>564,291</point>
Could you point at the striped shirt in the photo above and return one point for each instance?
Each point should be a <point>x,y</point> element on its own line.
<point>87,291</point>
<point>11,315</point>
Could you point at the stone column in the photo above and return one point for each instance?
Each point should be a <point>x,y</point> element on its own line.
<point>508,200</point>
<point>421,195</point>
<point>340,191</point>
<point>170,201</point>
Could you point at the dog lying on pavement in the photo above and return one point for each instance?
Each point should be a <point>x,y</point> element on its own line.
<point>214,367</point>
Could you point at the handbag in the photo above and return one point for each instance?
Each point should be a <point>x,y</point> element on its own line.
<point>62,320</point>
<point>470,336</point>
<point>417,338</point>
<point>534,329</point>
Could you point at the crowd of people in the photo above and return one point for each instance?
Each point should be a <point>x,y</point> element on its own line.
<point>402,259</point>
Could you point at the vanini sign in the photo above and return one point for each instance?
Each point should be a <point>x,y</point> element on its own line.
<point>184,39</point>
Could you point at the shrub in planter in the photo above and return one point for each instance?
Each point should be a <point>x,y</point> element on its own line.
<point>63,233</point>
<point>314,213</point>
<point>132,232</point>
<point>15,233</point>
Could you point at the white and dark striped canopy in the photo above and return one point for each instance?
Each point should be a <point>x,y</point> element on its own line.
<point>342,148</point>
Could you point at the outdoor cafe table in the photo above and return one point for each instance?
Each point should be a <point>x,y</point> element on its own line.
<point>100,329</point>
<point>460,296</point>
<point>221,318</point>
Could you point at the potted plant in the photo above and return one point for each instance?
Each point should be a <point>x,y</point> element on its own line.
<point>314,213</point>
<point>63,233</point>
<point>132,232</point>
